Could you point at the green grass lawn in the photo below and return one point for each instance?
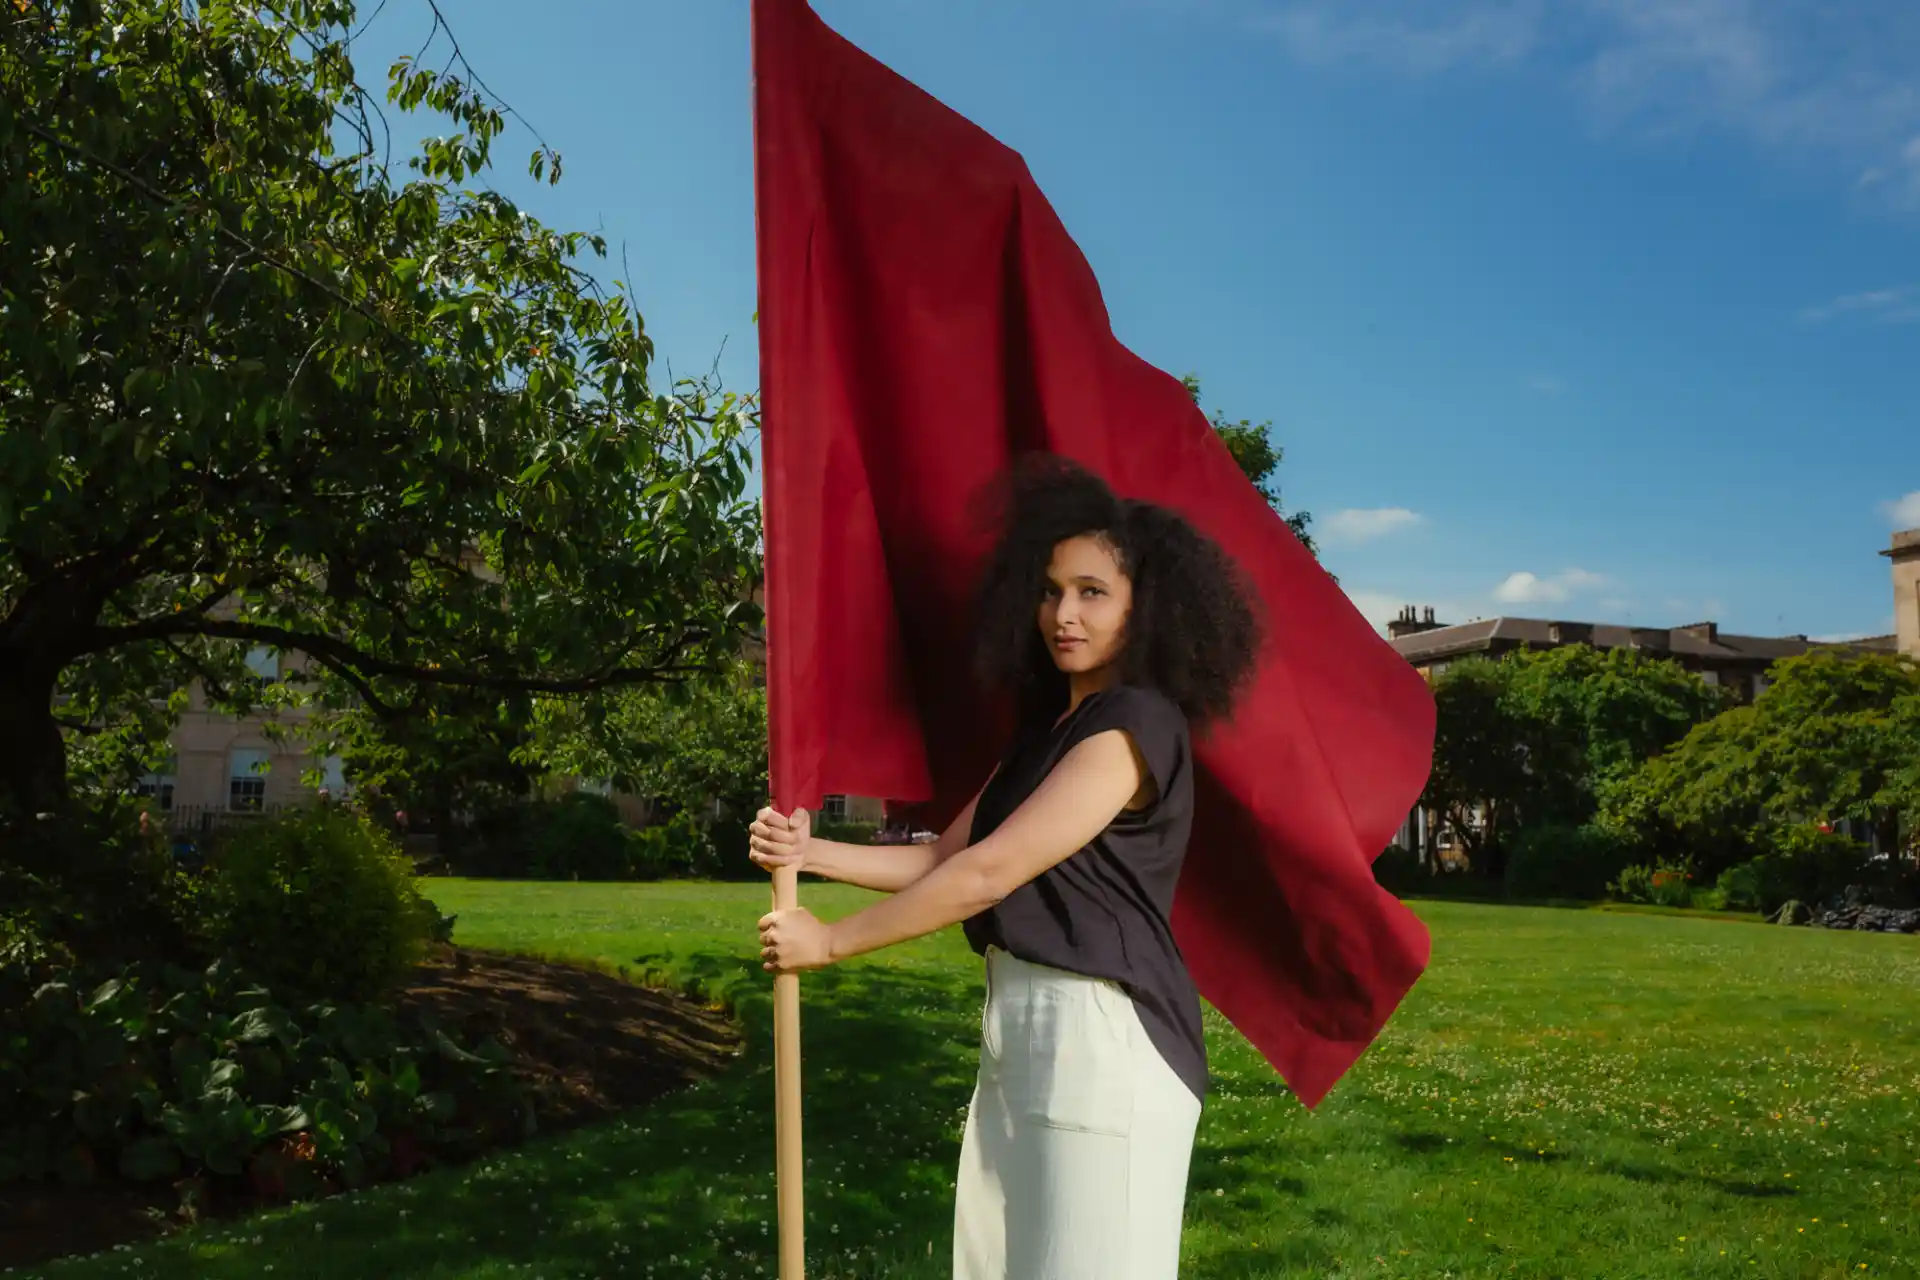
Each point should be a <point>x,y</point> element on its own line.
<point>1566,1094</point>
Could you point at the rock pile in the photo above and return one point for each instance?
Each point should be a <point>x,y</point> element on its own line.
<point>1854,908</point>
<point>1875,919</point>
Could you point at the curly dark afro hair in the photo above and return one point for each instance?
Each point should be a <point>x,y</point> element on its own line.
<point>1193,632</point>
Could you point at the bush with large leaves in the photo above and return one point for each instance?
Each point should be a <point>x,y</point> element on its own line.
<point>261,384</point>
<point>97,881</point>
<point>158,1071</point>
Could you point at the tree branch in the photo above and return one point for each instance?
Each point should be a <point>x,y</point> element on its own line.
<point>331,651</point>
<point>219,690</point>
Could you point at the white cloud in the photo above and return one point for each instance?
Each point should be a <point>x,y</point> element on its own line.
<point>1365,524</point>
<point>1904,512</point>
<point>1894,305</point>
<point>1830,84</point>
<point>1531,588</point>
<point>1474,35</point>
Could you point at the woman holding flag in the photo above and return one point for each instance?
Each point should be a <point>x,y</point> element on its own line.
<point>1114,624</point>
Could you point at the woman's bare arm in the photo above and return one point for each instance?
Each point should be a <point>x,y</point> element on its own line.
<point>886,868</point>
<point>1083,794</point>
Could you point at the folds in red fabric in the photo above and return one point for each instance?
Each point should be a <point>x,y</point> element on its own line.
<point>924,318</point>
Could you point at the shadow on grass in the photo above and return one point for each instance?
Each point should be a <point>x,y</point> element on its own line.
<point>682,1188</point>
<point>1725,1186</point>
<point>1431,1144</point>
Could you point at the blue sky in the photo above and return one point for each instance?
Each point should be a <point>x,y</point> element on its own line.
<point>1594,309</point>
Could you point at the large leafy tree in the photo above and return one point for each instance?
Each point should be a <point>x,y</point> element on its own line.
<point>1590,716</point>
<point>263,384</point>
<point>691,744</point>
<point>1252,447</point>
<point>444,755</point>
<point>1479,777</point>
<point>1540,737</point>
<point>1836,735</point>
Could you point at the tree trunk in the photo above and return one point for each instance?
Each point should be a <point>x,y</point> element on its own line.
<point>33,756</point>
<point>45,630</point>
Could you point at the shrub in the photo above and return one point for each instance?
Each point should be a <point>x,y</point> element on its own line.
<point>578,836</point>
<point>98,879</point>
<point>1633,884</point>
<point>727,841</point>
<point>1398,870</point>
<point>1893,882</point>
<point>157,1071</point>
<point>1565,862</point>
<point>1665,884</point>
<point>1739,887</point>
<point>678,847</point>
<point>1806,864</point>
<point>490,845</point>
<point>319,902</point>
<point>1671,885</point>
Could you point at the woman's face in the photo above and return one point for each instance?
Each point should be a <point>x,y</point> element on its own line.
<point>1083,610</point>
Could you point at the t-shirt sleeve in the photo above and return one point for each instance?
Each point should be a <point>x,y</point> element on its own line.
<point>1156,725</point>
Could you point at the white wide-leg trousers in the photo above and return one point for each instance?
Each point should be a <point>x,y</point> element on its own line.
<point>1074,1162</point>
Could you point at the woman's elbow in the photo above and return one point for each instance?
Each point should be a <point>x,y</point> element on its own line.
<point>983,889</point>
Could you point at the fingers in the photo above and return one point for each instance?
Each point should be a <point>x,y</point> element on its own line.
<point>776,831</point>
<point>775,820</point>
<point>772,845</point>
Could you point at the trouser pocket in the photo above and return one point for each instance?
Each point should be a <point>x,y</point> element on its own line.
<point>990,1014</point>
<point>1080,1069</point>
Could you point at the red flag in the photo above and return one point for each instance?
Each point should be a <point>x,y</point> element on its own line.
<point>924,316</point>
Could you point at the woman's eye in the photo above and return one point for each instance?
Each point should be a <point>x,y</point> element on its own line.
<point>1093,591</point>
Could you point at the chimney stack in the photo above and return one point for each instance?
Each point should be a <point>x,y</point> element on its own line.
<point>1412,621</point>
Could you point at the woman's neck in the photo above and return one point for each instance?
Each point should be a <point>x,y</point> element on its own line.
<point>1083,684</point>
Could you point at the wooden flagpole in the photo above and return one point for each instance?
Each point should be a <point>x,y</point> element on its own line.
<point>789,1169</point>
<point>786,1096</point>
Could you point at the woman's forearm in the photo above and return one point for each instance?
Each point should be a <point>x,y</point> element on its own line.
<point>1079,799</point>
<point>953,891</point>
<point>887,868</point>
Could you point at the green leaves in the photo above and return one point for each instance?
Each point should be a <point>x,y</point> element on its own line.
<point>210,1076</point>
<point>1537,738</point>
<point>149,1159</point>
<point>1254,452</point>
<point>1834,736</point>
<point>227,351</point>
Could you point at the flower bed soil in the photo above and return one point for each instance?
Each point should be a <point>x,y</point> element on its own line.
<point>588,1046</point>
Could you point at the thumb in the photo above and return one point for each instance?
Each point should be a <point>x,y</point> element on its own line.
<point>800,820</point>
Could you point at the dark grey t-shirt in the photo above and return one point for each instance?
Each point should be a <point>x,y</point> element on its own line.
<point>1106,912</point>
